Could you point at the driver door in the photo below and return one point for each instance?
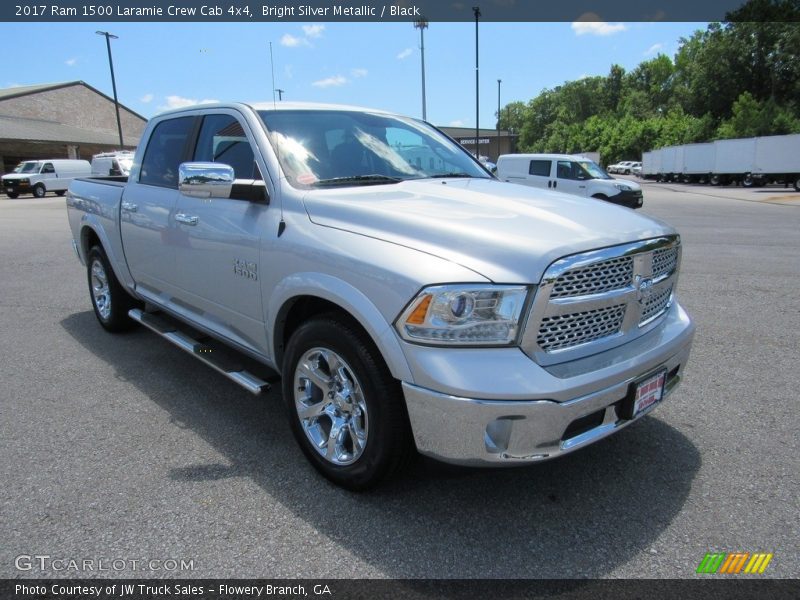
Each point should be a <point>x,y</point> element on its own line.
<point>571,178</point>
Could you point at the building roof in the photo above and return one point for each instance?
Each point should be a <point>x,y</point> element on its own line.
<point>25,90</point>
<point>42,130</point>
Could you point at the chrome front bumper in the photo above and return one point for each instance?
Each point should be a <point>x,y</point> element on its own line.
<point>480,432</point>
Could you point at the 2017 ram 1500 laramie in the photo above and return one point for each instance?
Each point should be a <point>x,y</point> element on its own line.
<point>407,298</point>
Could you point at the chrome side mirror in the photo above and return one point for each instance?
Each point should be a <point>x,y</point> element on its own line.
<point>205,179</point>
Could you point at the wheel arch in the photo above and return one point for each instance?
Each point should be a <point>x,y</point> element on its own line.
<point>302,296</point>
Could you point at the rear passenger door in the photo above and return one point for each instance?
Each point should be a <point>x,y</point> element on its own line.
<point>219,257</point>
<point>149,232</point>
<point>539,172</point>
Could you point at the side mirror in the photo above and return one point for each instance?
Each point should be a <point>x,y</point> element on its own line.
<point>205,180</point>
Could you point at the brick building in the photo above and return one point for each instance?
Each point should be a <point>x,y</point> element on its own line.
<point>61,120</point>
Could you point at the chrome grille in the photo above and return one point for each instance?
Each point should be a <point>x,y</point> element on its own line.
<point>664,261</point>
<point>656,304</point>
<point>561,331</point>
<point>595,278</point>
<point>589,302</point>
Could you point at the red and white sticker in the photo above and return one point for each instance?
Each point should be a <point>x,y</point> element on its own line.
<point>648,392</point>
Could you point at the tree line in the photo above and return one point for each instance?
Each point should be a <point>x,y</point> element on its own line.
<point>739,78</point>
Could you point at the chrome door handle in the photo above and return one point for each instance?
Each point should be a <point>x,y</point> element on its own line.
<point>129,206</point>
<point>582,187</point>
<point>186,219</point>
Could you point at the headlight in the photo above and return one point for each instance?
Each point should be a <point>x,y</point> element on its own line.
<point>476,315</point>
<point>623,188</point>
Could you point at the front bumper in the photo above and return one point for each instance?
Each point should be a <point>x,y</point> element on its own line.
<point>633,199</point>
<point>486,432</point>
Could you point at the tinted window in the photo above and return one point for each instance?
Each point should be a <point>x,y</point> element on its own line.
<point>223,140</point>
<point>564,170</point>
<point>165,151</point>
<point>540,167</point>
<point>48,168</point>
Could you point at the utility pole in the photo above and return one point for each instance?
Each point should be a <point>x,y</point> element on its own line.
<point>280,93</point>
<point>109,37</point>
<point>499,81</point>
<point>422,25</point>
<point>477,11</point>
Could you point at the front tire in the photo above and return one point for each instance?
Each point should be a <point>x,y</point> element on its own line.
<point>346,411</point>
<point>39,190</point>
<point>110,301</point>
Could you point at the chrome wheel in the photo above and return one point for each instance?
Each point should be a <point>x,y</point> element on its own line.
<point>330,404</point>
<point>101,293</point>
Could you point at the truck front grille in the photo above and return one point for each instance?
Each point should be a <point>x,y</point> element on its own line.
<point>596,300</point>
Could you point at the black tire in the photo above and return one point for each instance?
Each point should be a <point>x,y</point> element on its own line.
<point>39,190</point>
<point>60,192</point>
<point>600,197</point>
<point>110,301</point>
<point>748,181</point>
<point>715,180</point>
<point>797,184</point>
<point>373,403</point>
<point>12,195</point>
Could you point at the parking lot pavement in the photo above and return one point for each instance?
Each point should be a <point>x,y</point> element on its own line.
<point>123,447</point>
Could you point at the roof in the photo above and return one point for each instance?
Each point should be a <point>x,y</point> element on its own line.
<point>26,90</point>
<point>17,128</point>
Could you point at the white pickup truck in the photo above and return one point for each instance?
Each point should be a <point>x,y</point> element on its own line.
<point>407,298</point>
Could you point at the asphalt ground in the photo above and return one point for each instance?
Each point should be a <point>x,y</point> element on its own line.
<point>123,447</point>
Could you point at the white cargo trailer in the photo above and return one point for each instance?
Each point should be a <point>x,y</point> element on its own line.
<point>671,163</point>
<point>777,159</point>
<point>651,164</point>
<point>698,162</point>
<point>733,160</point>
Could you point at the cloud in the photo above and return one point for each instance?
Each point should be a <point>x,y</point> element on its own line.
<point>590,24</point>
<point>653,49</point>
<point>358,73</point>
<point>405,53</point>
<point>334,81</point>
<point>291,41</point>
<point>457,123</point>
<point>146,98</point>
<point>313,31</point>
<point>70,62</point>
<point>181,102</point>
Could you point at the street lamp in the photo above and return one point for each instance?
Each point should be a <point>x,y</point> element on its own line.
<point>108,37</point>
<point>422,25</point>
<point>499,81</point>
<point>477,11</point>
<point>280,93</point>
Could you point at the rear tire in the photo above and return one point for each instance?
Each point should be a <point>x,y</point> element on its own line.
<point>748,181</point>
<point>345,409</point>
<point>12,195</point>
<point>797,184</point>
<point>39,190</point>
<point>110,301</point>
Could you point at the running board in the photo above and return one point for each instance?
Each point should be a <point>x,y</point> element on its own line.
<point>201,351</point>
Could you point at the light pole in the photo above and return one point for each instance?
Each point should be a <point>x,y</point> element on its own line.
<point>280,93</point>
<point>109,37</point>
<point>422,25</point>
<point>477,11</point>
<point>499,81</point>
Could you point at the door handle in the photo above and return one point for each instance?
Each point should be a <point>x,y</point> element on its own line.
<point>555,184</point>
<point>582,187</point>
<point>549,184</point>
<point>129,206</point>
<point>186,219</point>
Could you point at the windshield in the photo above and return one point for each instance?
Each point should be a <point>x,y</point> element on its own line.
<point>595,171</point>
<point>320,148</point>
<point>29,167</point>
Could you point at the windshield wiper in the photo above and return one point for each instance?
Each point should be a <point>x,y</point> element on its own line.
<point>453,174</point>
<point>358,180</point>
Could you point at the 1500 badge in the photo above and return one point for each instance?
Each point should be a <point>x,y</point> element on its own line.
<point>246,269</point>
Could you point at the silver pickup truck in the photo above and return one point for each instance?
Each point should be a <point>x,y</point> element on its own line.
<point>406,298</point>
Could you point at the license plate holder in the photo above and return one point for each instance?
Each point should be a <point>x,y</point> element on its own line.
<point>644,393</point>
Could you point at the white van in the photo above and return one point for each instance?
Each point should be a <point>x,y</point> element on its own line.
<point>569,174</point>
<point>112,163</point>
<point>38,177</point>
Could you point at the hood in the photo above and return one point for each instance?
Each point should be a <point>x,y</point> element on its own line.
<point>508,233</point>
<point>631,184</point>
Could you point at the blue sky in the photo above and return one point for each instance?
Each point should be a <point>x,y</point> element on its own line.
<point>161,65</point>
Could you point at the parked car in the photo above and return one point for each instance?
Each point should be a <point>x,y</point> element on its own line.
<point>637,169</point>
<point>569,175</point>
<point>624,168</point>
<point>38,177</point>
<point>405,307</point>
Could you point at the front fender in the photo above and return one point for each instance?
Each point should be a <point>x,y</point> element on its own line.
<point>351,300</point>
